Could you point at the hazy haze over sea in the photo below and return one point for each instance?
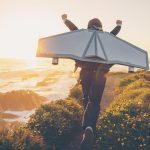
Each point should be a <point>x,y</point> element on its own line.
<point>18,74</point>
<point>40,76</point>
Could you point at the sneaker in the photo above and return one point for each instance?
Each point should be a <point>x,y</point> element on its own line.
<point>87,140</point>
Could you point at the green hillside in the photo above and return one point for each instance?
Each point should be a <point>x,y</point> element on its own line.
<point>124,125</point>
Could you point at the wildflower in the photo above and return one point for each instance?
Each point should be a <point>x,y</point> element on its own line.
<point>141,145</point>
<point>122,144</point>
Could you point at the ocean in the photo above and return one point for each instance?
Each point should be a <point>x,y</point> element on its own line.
<point>39,75</point>
<point>16,74</point>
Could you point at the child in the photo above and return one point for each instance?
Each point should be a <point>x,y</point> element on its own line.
<point>93,79</point>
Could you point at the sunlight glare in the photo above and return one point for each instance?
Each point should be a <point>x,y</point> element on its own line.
<point>20,34</point>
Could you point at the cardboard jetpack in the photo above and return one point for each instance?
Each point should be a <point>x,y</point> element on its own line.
<point>92,46</point>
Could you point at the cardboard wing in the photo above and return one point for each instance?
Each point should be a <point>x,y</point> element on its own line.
<point>93,46</point>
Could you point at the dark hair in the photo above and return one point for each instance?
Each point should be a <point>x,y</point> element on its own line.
<point>94,22</point>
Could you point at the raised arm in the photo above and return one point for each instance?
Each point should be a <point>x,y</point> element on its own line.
<point>116,30</point>
<point>68,23</point>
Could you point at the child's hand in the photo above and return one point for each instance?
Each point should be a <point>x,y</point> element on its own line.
<point>64,16</point>
<point>119,22</point>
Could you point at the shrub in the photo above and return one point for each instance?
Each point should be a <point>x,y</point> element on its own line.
<point>138,84</point>
<point>21,139</point>
<point>72,106</point>
<point>126,131</point>
<point>5,143</point>
<point>134,77</point>
<point>57,122</point>
<point>125,125</point>
<point>76,93</point>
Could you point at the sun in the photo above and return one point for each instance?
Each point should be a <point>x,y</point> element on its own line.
<point>20,33</point>
<point>17,40</point>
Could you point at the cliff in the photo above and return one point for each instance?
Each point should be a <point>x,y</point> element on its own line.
<point>20,100</point>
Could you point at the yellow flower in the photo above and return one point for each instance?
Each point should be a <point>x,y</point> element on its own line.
<point>122,144</point>
<point>141,145</point>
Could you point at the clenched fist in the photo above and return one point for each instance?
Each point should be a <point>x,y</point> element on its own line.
<point>119,22</point>
<point>64,16</point>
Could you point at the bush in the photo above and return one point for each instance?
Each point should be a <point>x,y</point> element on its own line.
<point>57,122</point>
<point>126,131</point>
<point>72,106</point>
<point>5,143</point>
<point>138,84</point>
<point>76,93</point>
<point>134,77</point>
<point>125,125</point>
<point>21,139</point>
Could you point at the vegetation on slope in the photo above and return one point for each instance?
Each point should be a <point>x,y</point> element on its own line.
<point>57,122</point>
<point>21,139</point>
<point>125,125</point>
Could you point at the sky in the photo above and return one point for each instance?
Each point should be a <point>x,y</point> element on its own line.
<point>23,22</point>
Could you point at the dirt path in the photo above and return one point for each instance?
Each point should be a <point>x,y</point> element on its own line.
<point>111,83</point>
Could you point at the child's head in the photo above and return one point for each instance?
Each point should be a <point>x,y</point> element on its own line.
<point>95,22</point>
